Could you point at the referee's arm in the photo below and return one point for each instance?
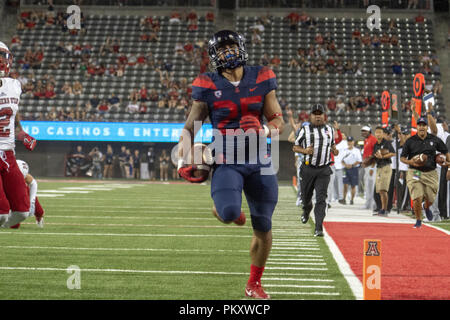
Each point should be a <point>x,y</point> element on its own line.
<point>297,148</point>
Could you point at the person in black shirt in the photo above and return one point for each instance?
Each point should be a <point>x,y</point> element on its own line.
<point>108,159</point>
<point>316,142</point>
<point>383,151</point>
<point>422,181</point>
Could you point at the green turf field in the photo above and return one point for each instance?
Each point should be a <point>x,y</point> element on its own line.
<point>157,241</point>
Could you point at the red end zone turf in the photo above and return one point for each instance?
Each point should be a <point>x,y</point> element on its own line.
<point>415,263</point>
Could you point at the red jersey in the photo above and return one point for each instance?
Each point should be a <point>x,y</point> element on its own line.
<point>369,143</point>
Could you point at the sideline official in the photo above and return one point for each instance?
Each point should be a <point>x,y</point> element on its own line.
<point>316,142</point>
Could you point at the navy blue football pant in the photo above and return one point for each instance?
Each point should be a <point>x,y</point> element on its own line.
<point>261,191</point>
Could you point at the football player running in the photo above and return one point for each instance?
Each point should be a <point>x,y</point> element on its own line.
<point>35,207</point>
<point>236,97</point>
<point>13,190</point>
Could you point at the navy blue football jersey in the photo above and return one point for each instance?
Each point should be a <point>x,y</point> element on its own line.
<point>227,103</point>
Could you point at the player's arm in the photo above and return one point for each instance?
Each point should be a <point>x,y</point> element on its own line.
<point>273,113</point>
<point>33,188</point>
<point>197,115</point>
<point>28,141</point>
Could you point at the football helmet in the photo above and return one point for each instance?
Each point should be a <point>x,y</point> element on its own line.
<point>6,60</point>
<point>226,58</point>
<point>23,166</point>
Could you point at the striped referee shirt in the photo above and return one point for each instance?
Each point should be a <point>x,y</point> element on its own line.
<point>322,138</point>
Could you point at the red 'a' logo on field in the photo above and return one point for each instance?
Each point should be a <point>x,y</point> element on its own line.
<point>372,250</point>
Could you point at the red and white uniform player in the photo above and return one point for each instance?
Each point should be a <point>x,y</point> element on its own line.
<point>13,190</point>
<point>35,207</point>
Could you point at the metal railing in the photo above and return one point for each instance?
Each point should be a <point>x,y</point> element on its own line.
<point>155,3</point>
<point>339,4</point>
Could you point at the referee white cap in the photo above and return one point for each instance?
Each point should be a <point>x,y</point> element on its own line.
<point>366,128</point>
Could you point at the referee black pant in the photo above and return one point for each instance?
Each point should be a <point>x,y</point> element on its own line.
<point>443,198</point>
<point>315,179</point>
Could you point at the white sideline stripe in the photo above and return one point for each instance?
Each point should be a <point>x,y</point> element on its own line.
<point>298,279</point>
<point>307,293</point>
<point>41,195</point>
<point>295,268</point>
<point>63,191</point>
<point>344,267</point>
<point>297,286</point>
<point>124,207</point>
<point>298,263</point>
<point>127,234</point>
<point>122,249</point>
<point>128,271</point>
<point>296,244</point>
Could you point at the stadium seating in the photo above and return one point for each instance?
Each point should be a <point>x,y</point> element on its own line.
<point>299,88</point>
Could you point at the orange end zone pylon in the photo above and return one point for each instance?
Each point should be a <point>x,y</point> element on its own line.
<point>372,270</point>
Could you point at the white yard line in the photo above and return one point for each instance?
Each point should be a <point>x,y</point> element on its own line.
<point>125,234</point>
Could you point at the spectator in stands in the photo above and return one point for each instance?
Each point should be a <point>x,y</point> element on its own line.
<point>275,62</point>
<point>435,68</point>
<point>397,68</point>
<point>361,104</point>
<point>340,106</point>
<point>28,89</point>
<point>153,96</point>
<point>67,89</point>
<point>256,38</point>
<point>114,102</point>
<point>143,94</point>
<point>106,47</point>
<point>437,87</point>
<point>392,26</point>
<point>173,101</point>
<point>103,107</point>
<point>357,69</point>
<point>365,40</point>
<point>50,91</point>
<point>348,67</point>
<point>133,106</point>
<point>162,102</point>
<point>419,18</point>
<point>77,88</point>
<point>94,101</point>
<point>384,39</point>
<point>210,16</point>
<point>116,45</point>
<point>192,20</point>
<point>331,104</point>
<point>356,35</point>
<point>264,61</point>
<point>376,42</point>
<point>142,108</point>
<point>293,19</point>
<point>175,17</point>
<point>394,40</point>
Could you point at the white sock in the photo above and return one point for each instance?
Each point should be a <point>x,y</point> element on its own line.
<point>15,217</point>
<point>3,219</point>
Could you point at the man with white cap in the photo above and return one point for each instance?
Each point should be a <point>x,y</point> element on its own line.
<point>13,190</point>
<point>369,170</point>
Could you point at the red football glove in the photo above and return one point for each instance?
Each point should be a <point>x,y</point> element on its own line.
<point>187,173</point>
<point>28,141</point>
<point>250,122</point>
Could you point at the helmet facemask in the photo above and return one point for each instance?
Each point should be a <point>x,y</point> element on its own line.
<point>5,62</point>
<point>227,52</point>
